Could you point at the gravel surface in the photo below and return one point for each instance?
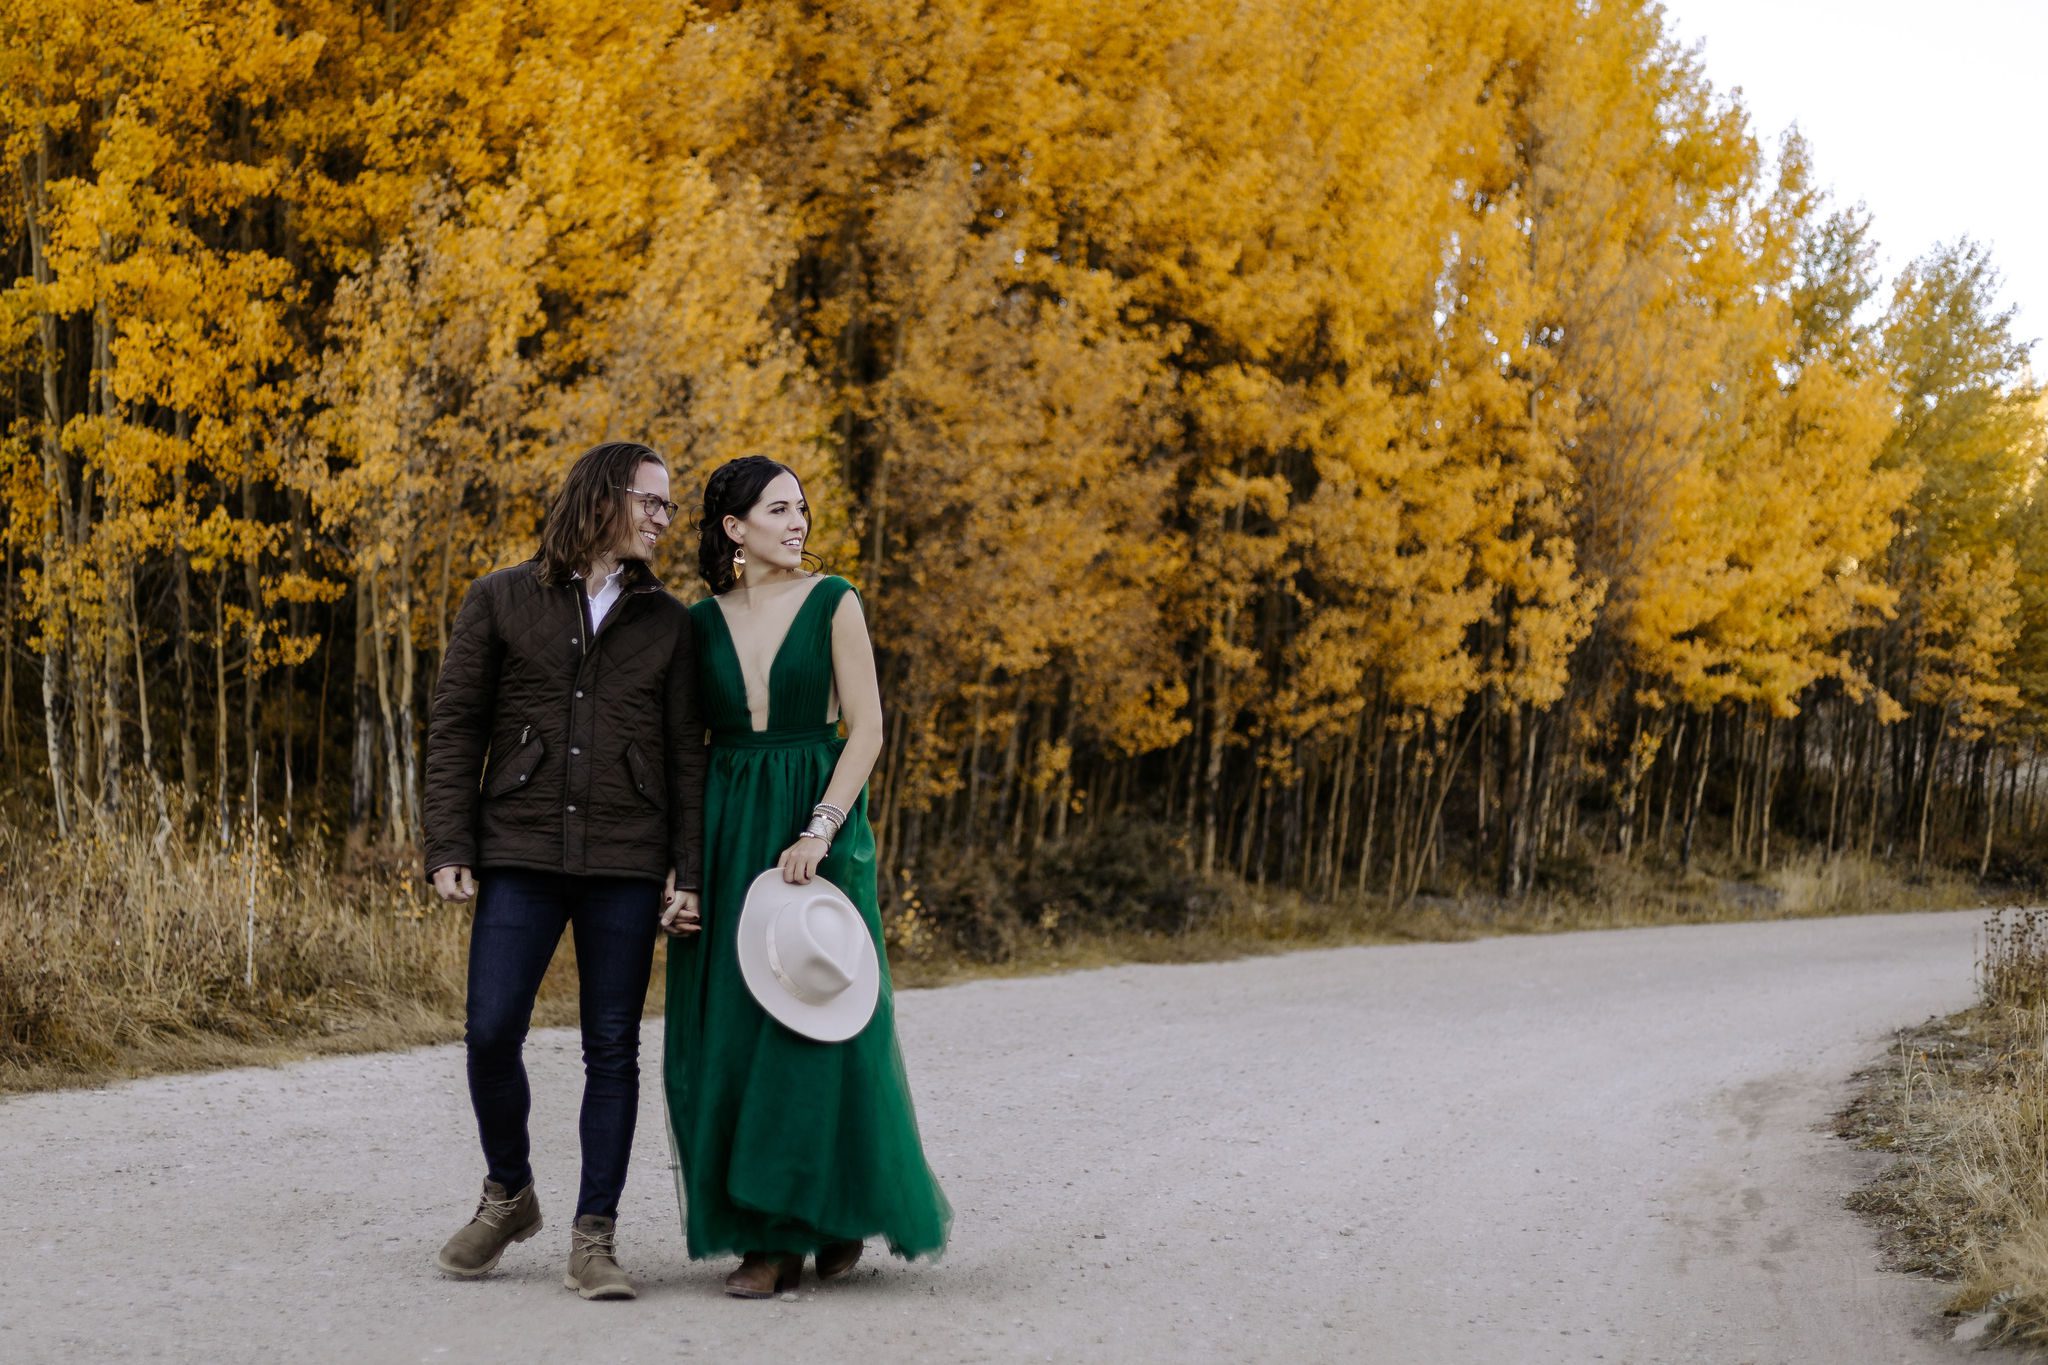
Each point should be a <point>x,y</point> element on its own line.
<point>1581,1147</point>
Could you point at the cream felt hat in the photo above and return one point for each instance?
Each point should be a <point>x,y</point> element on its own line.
<point>806,955</point>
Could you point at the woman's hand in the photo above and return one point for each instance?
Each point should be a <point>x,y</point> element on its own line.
<point>799,862</point>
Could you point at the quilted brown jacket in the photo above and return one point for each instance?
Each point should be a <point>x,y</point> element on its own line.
<point>559,749</point>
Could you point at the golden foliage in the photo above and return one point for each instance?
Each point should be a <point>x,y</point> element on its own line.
<point>1247,415</point>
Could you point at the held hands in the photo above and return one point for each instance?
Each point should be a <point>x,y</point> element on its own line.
<point>455,883</point>
<point>679,917</point>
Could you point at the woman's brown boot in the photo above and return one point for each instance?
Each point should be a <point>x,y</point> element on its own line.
<point>836,1258</point>
<point>764,1274</point>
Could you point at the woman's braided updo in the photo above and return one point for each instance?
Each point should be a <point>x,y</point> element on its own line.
<point>731,491</point>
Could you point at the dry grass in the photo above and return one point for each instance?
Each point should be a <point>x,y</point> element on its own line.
<point>1963,1103</point>
<point>951,931</point>
<point>1615,893</point>
<point>126,950</point>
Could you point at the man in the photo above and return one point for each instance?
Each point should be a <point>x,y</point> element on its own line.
<point>565,778</point>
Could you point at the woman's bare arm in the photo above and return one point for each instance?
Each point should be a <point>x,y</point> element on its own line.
<point>860,706</point>
<point>860,703</point>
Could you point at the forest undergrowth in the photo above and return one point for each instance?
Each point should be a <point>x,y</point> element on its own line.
<point>135,947</point>
<point>1962,1103</point>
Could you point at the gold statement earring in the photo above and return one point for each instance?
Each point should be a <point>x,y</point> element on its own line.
<point>739,562</point>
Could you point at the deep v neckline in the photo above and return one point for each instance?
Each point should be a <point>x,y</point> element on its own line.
<point>732,648</point>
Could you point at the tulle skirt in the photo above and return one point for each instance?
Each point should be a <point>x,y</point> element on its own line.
<point>784,1144</point>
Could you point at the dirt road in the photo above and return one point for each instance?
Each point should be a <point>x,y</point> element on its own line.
<point>1588,1147</point>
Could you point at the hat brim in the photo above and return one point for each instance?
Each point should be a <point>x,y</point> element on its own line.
<point>836,1020</point>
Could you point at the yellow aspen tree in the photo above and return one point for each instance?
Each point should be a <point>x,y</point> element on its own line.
<point>1968,431</point>
<point>1777,532</point>
<point>1350,443</point>
<point>1624,176</point>
<point>424,390</point>
<point>137,258</point>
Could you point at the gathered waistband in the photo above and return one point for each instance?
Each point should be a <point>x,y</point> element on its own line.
<point>775,739</point>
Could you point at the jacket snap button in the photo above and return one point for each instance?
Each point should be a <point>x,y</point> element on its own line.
<point>579,691</point>
<point>572,808</point>
<point>522,777</point>
<point>575,751</point>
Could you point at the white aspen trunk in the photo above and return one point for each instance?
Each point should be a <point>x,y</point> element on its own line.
<point>53,739</point>
<point>7,662</point>
<point>1990,812</point>
<point>1212,765</point>
<point>181,582</point>
<point>1768,797</point>
<point>56,528</point>
<point>142,686</point>
<point>394,794</point>
<point>255,837</point>
<point>114,661</point>
<point>220,710</point>
<point>252,668</point>
<point>363,749</point>
<point>1063,790</point>
<point>156,785</point>
<point>408,731</point>
<point>1927,785</point>
<point>1337,833</point>
<point>114,613</point>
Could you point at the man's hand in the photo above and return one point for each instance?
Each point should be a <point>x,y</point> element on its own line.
<point>455,883</point>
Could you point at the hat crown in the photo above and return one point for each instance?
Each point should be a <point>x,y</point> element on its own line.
<point>808,956</point>
<point>814,948</point>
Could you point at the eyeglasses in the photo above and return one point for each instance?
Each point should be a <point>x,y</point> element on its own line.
<point>650,503</point>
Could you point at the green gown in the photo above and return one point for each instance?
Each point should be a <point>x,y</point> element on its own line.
<point>783,1144</point>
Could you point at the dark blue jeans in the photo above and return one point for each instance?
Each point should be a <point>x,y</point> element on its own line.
<point>519,919</point>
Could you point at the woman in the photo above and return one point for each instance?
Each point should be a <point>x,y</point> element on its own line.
<point>565,771</point>
<point>786,1146</point>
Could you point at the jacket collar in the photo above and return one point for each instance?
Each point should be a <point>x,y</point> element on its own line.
<point>636,576</point>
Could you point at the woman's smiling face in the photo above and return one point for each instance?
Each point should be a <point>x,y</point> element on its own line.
<point>773,532</point>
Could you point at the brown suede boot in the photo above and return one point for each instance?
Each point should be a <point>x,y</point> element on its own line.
<point>594,1261</point>
<point>763,1275</point>
<point>836,1258</point>
<point>500,1220</point>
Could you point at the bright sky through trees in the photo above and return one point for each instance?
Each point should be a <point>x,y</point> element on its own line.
<point>1930,114</point>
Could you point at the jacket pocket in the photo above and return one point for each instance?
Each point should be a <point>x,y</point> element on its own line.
<point>645,782</point>
<point>517,768</point>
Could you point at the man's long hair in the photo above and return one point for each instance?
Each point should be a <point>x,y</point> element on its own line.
<point>586,516</point>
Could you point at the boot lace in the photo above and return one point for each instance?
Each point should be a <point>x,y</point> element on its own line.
<point>492,1213</point>
<point>594,1245</point>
